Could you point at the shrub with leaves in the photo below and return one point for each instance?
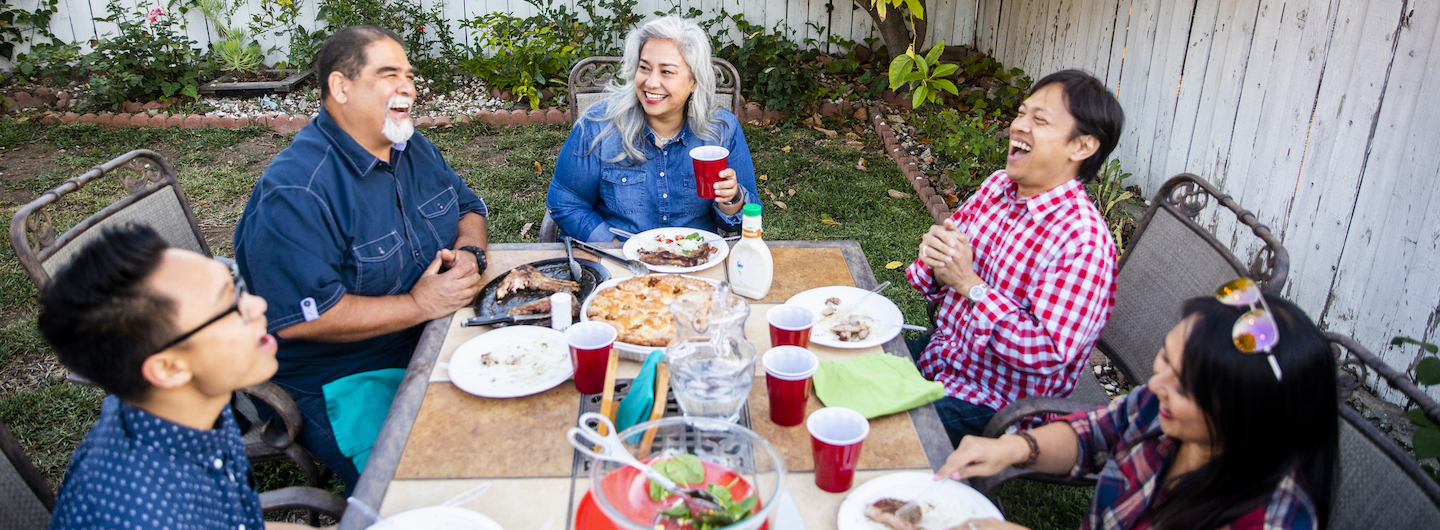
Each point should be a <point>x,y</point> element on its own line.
<point>1110,194</point>
<point>18,25</point>
<point>149,59</point>
<point>1426,369</point>
<point>429,44</point>
<point>973,146</point>
<point>525,58</point>
<point>778,71</point>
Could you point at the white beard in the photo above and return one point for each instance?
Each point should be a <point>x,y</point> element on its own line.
<point>397,131</point>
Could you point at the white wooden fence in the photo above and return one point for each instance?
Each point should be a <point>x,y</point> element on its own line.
<point>1309,112</point>
<point>951,20</point>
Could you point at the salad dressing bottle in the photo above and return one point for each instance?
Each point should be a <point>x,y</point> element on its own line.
<point>750,265</point>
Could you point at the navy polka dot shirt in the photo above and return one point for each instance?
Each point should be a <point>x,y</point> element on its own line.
<point>136,470</point>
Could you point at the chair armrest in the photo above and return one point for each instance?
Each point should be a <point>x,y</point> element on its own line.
<point>284,407</point>
<point>1032,406</point>
<point>303,497</point>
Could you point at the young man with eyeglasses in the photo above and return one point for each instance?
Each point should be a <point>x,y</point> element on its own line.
<point>170,335</point>
<point>1024,271</point>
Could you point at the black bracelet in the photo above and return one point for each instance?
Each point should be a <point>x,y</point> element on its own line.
<point>1034,450</point>
<point>479,253</point>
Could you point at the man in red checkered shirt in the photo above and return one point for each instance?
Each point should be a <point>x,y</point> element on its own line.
<point>1024,271</point>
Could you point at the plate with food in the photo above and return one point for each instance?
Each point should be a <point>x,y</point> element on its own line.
<point>873,505</point>
<point>639,309</point>
<point>677,250</point>
<point>841,323</point>
<point>526,290</point>
<point>511,362</point>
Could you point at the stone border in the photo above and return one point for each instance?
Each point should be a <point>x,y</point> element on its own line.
<point>909,166</point>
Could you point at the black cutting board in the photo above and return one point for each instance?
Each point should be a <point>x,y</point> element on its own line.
<point>591,275</point>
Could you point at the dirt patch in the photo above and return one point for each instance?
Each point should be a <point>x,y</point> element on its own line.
<point>29,371</point>
<point>21,163</point>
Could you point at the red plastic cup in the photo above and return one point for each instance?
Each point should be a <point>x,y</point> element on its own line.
<point>788,370</point>
<point>835,437</point>
<point>790,325</point>
<point>589,354</point>
<point>709,161</point>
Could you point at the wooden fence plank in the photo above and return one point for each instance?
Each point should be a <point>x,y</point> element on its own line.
<point>1115,63</point>
<point>987,26</point>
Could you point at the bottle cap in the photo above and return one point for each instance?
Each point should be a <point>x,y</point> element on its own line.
<point>752,209</point>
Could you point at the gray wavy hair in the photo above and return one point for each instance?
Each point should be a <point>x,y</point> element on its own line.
<point>623,113</point>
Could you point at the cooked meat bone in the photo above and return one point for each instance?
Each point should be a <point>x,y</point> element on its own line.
<point>528,278</point>
<point>666,257</point>
<point>883,511</point>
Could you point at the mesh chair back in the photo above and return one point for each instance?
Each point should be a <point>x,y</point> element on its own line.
<point>25,497</point>
<point>1171,259</point>
<point>1380,485</point>
<point>154,199</point>
<point>590,76</point>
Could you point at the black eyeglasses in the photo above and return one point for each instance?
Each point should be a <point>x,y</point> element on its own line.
<point>234,308</point>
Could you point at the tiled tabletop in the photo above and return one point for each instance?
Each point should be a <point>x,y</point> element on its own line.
<point>439,442</point>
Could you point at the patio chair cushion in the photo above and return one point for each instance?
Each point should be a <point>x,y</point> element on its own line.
<point>1374,491</point>
<point>160,210</point>
<point>19,507</point>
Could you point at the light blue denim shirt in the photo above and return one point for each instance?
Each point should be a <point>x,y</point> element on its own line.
<point>588,196</point>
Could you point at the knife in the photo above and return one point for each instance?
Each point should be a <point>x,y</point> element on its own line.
<point>502,319</point>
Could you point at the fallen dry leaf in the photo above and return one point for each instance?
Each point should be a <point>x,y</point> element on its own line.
<point>538,171</point>
<point>525,230</point>
<point>827,132</point>
<point>764,177</point>
<point>860,165</point>
<point>856,144</point>
<point>852,136</point>
<point>893,265</point>
<point>951,200</point>
<point>780,204</point>
<point>830,222</point>
<point>770,193</point>
<point>898,194</point>
<point>790,192</point>
<point>785,149</point>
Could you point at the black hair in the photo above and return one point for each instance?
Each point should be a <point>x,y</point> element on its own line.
<point>344,52</point>
<point>99,315</point>
<point>1260,430</point>
<point>1096,111</point>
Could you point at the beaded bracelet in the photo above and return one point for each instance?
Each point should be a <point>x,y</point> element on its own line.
<point>1034,450</point>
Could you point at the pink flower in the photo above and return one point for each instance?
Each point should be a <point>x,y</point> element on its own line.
<point>154,15</point>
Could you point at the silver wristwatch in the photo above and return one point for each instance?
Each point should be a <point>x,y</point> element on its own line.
<point>977,292</point>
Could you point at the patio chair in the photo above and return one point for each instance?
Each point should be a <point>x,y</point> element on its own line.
<point>26,500</point>
<point>155,199</point>
<point>1379,485</point>
<point>586,87</point>
<point>1170,259</point>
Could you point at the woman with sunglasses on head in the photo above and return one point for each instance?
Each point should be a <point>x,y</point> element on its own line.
<point>1219,437</point>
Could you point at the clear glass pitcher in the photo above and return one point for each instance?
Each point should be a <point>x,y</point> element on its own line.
<point>711,362</point>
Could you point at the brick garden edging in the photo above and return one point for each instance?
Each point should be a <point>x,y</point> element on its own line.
<point>288,124</point>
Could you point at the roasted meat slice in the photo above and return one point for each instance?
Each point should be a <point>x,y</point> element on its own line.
<point>883,511</point>
<point>856,328</point>
<point>666,257</point>
<point>539,307</point>
<point>528,278</point>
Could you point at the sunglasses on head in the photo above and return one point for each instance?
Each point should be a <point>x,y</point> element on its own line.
<point>1255,331</point>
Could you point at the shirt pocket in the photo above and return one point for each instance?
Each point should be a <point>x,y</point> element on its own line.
<point>441,216</point>
<point>623,190</point>
<point>379,265</point>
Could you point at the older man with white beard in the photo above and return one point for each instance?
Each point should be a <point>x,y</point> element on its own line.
<point>357,234</point>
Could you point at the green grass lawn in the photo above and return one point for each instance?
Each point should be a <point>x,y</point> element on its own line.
<point>218,168</point>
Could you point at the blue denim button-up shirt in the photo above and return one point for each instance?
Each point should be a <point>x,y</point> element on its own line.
<point>588,196</point>
<point>137,470</point>
<point>328,218</point>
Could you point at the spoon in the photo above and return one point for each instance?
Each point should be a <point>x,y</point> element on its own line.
<point>609,448</point>
<point>636,266</point>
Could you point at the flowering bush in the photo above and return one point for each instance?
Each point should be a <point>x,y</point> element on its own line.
<point>150,59</point>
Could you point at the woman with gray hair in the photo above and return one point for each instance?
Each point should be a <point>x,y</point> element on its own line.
<point>627,161</point>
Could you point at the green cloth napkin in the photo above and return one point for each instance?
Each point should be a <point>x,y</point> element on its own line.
<point>874,385</point>
<point>357,405</point>
<point>638,403</point>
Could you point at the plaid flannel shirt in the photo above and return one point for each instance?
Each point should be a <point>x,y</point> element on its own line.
<point>1050,263</point>
<point>1124,444</point>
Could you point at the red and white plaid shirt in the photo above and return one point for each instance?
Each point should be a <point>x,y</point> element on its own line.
<point>1050,263</point>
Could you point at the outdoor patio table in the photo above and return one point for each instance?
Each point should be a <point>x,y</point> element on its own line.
<point>439,441</point>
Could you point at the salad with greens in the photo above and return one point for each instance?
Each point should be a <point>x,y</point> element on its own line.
<point>688,471</point>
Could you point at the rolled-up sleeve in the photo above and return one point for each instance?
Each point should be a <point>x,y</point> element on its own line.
<point>574,196</point>
<point>289,251</point>
<point>1097,430</point>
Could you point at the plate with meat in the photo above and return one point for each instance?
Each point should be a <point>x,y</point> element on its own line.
<point>526,290</point>
<point>873,505</point>
<point>677,250</point>
<point>639,309</point>
<point>841,323</point>
<point>511,362</point>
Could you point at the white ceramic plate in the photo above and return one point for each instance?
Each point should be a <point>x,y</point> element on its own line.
<point>633,246</point>
<point>627,351</point>
<point>944,506</point>
<point>512,361</point>
<point>438,518</point>
<point>885,315</point>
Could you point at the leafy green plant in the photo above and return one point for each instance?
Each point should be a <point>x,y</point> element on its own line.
<point>429,44</point>
<point>148,59</point>
<point>55,60</point>
<point>1426,371</point>
<point>924,75</point>
<point>776,68</point>
<point>234,54</point>
<point>19,26</point>
<point>973,145</point>
<point>1109,193</point>
<point>525,57</point>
